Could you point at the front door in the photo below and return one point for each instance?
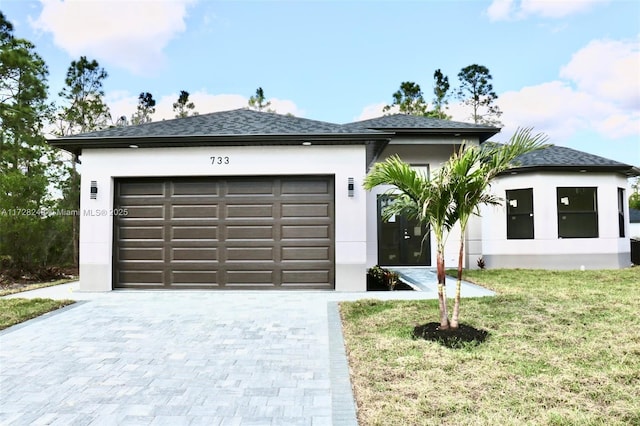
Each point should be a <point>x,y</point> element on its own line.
<point>402,241</point>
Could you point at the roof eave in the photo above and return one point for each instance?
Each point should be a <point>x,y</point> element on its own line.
<point>483,133</point>
<point>76,144</point>
<point>629,171</point>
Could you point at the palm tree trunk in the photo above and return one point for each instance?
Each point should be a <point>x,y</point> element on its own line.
<point>442,294</point>
<point>456,303</point>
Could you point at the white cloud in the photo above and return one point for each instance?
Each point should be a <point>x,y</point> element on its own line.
<point>127,34</point>
<point>608,69</point>
<point>561,111</point>
<point>123,103</point>
<point>501,10</point>
<point>374,110</point>
<point>599,92</point>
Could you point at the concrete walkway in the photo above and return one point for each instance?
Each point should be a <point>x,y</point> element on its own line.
<point>181,358</point>
<point>426,280</point>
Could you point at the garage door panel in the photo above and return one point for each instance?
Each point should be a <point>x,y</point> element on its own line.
<point>249,211</point>
<point>142,277</point>
<point>249,232</point>
<point>142,189</point>
<point>194,278</point>
<point>249,254</point>
<point>305,253</point>
<point>194,254</point>
<point>148,254</point>
<point>155,233</point>
<point>194,212</point>
<point>305,210</point>
<point>143,212</point>
<point>303,277</point>
<point>249,277</point>
<point>259,232</point>
<point>307,188</point>
<point>194,188</point>
<point>188,233</point>
<point>305,232</point>
<point>250,187</point>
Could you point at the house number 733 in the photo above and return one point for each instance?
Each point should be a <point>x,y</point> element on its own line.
<point>219,160</point>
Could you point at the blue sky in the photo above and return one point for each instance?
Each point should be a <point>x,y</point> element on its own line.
<point>569,68</point>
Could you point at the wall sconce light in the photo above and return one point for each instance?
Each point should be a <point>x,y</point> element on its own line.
<point>351,186</point>
<point>93,193</point>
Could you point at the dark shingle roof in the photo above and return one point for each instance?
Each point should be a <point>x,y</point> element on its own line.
<point>634,215</point>
<point>405,123</point>
<point>560,157</point>
<point>235,127</point>
<point>234,122</point>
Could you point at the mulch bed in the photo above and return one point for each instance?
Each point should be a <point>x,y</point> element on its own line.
<point>372,285</point>
<point>463,336</point>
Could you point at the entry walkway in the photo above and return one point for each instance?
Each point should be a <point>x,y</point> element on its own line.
<point>425,279</point>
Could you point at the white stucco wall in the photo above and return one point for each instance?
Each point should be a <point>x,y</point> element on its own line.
<point>432,152</point>
<point>546,250</point>
<point>103,165</point>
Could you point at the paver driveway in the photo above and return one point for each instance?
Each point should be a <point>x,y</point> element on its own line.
<point>182,357</point>
<point>177,358</point>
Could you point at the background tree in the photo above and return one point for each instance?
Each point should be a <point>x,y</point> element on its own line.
<point>409,99</point>
<point>146,107</point>
<point>476,91</point>
<point>182,107</point>
<point>259,102</point>
<point>634,198</point>
<point>25,166</point>
<point>83,110</point>
<point>441,88</point>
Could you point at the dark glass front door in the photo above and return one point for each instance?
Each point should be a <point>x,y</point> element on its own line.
<point>402,241</point>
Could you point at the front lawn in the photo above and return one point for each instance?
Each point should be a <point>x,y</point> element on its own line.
<point>15,311</point>
<point>563,349</point>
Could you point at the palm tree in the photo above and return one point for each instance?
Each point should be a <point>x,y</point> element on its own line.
<point>427,200</point>
<point>470,172</point>
<point>454,194</point>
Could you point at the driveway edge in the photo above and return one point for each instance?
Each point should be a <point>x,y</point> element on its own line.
<point>42,317</point>
<point>342,402</point>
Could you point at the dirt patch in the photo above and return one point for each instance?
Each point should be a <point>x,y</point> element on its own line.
<point>11,278</point>
<point>463,336</point>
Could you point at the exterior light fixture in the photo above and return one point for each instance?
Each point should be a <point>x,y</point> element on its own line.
<point>133,146</point>
<point>306,143</point>
<point>351,186</point>
<point>93,193</point>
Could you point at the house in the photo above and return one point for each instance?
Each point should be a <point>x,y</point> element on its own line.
<point>252,200</point>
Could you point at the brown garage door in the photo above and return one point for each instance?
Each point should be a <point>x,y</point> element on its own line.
<point>235,233</point>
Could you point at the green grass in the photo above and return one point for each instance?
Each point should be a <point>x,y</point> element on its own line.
<point>34,286</point>
<point>15,311</point>
<point>563,349</point>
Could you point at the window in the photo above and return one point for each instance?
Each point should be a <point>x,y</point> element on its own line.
<point>621,212</point>
<point>520,214</point>
<point>577,212</point>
